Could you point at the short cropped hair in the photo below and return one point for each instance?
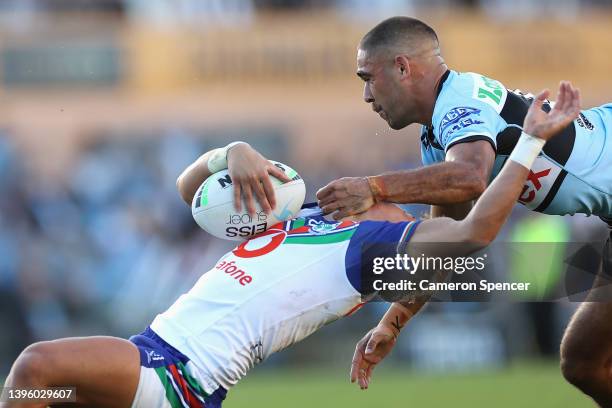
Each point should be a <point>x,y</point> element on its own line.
<point>399,31</point>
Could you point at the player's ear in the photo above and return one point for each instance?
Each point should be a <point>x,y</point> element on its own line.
<point>402,64</point>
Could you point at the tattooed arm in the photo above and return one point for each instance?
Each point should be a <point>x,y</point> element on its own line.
<point>379,341</point>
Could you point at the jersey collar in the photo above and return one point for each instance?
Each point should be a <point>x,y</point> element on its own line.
<point>443,79</point>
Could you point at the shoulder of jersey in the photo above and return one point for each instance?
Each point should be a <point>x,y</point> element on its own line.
<point>315,230</point>
<point>473,88</point>
<point>465,94</point>
<point>317,226</point>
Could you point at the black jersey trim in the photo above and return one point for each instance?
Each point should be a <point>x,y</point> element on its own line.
<point>514,111</point>
<point>429,139</point>
<point>472,138</point>
<point>515,108</point>
<point>309,205</point>
<point>552,193</point>
<point>560,147</point>
<point>443,79</point>
<point>507,139</point>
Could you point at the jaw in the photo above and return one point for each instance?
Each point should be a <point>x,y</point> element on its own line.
<point>395,125</point>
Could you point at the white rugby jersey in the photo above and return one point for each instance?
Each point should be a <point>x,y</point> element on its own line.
<point>270,292</point>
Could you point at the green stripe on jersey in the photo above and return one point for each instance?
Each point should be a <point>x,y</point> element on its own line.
<point>298,223</point>
<point>321,239</point>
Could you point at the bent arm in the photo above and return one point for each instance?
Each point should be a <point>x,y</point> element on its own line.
<point>485,220</point>
<point>249,170</point>
<point>455,211</point>
<point>193,176</point>
<point>462,177</point>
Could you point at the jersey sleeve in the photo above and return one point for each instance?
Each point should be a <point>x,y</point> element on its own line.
<point>430,154</point>
<point>470,113</point>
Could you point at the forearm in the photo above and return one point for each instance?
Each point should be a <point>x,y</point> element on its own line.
<point>455,211</point>
<point>399,314</point>
<point>438,184</point>
<point>494,206</point>
<point>193,176</point>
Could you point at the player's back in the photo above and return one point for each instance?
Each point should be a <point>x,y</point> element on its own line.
<point>248,305</point>
<point>574,172</point>
<point>268,293</point>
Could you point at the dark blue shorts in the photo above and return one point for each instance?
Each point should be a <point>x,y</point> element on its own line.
<point>170,365</point>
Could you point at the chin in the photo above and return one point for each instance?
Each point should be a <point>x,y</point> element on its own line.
<point>395,126</point>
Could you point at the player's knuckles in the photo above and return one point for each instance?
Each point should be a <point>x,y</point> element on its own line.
<point>240,178</point>
<point>333,189</point>
<point>248,195</point>
<point>339,215</point>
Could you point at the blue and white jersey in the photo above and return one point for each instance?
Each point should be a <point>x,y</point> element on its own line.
<point>572,175</point>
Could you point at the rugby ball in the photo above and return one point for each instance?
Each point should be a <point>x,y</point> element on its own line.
<point>213,206</point>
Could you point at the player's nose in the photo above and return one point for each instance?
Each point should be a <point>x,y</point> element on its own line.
<point>367,94</point>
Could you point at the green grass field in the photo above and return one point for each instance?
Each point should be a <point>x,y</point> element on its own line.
<point>522,385</point>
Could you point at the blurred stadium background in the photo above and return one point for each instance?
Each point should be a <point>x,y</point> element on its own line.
<point>104,102</point>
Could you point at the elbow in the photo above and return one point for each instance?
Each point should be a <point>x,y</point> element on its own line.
<point>180,186</point>
<point>477,187</point>
<point>470,184</point>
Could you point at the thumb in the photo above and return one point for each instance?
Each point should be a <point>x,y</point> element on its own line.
<point>372,343</point>
<point>540,99</point>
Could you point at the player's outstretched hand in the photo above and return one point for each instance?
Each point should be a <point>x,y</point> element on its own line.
<point>546,125</point>
<point>370,351</point>
<point>345,196</point>
<point>250,173</point>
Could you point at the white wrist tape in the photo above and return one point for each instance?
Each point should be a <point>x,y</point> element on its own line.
<point>218,159</point>
<point>526,150</point>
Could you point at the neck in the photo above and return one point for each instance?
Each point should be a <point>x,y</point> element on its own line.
<point>432,92</point>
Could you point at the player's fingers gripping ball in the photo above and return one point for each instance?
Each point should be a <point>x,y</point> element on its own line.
<point>213,206</point>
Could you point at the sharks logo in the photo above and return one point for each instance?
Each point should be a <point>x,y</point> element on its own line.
<point>457,119</point>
